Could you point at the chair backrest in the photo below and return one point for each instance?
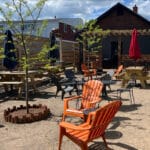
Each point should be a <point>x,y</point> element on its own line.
<point>84,67</point>
<point>91,91</point>
<point>108,76</point>
<point>69,74</point>
<point>56,80</point>
<point>100,119</point>
<point>119,70</point>
<point>110,73</point>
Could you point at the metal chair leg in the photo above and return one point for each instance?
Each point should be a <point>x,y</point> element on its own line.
<point>133,100</point>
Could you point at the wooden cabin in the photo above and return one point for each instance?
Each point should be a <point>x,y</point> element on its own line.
<point>120,20</point>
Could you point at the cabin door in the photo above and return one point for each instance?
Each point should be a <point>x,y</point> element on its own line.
<point>114,54</point>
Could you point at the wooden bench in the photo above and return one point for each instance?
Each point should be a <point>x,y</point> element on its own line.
<point>16,83</point>
<point>10,82</point>
<point>17,78</point>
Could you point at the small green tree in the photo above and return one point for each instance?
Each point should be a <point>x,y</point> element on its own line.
<point>23,11</point>
<point>91,36</point>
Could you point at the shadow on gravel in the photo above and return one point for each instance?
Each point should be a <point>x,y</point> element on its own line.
<point>1,126</point>
<point>128,108</point>
<point>101,146</point>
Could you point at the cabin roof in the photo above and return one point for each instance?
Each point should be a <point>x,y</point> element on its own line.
<point>119,5</point>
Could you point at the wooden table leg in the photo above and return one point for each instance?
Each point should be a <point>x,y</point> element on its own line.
<point>124,82</point>
<point>143,83</point>
<point>19,90</point>
<point>34,85</point>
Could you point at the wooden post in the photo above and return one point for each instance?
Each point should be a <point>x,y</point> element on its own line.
<point>60,51</point>
<point>74,54</point>
<point>119,50</point>
<point>84,52</point>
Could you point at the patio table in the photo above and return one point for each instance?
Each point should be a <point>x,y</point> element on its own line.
<point>136,73</point>
<point>17,78</point>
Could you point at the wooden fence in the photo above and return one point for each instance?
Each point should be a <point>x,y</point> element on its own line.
<point>68,50</point>
<point>92,59</point>
<point>35,45</point>
<point>70,53</point>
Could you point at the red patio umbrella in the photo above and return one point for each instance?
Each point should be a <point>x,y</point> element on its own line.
<point>134,50</point>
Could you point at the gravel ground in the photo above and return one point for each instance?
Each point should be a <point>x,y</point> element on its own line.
<point>128,131</point>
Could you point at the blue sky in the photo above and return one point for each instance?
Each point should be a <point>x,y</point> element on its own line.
<point>87,9</point>
<point>91,9</point>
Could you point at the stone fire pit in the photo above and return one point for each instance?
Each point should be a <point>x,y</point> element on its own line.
<point>19,114</point>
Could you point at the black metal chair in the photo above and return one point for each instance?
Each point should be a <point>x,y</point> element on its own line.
<point>70,74</point>
<point>128,89</point>
<point>107,81</point>
<point>63,85</point>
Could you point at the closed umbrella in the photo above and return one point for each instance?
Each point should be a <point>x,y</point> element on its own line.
<point>134,50</point>
<point>10,60</point>
<point>53,54</point>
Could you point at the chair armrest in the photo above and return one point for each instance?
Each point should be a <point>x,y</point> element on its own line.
<point>74,127</point>
<point>96,101</point>
<point>72,98</point>
<point>66,101</point>
<point>86,71</point>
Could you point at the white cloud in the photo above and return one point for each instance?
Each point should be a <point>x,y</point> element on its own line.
<point>87,9</point>
<point>143,7</point>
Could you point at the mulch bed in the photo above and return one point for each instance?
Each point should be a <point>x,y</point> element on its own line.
<point>20,115</point>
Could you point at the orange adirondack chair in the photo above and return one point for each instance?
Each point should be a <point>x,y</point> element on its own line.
<point>118,71</point>
<point>92,90</point>
<point>88,73</point>
<point>93,128</point>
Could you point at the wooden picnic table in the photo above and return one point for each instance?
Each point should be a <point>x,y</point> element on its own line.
<point>137,73</point>
<point>17,78</point>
